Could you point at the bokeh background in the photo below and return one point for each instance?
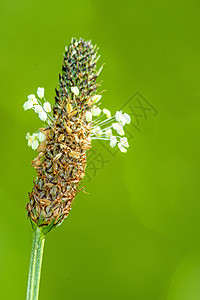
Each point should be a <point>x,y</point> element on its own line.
<point>137,234</point>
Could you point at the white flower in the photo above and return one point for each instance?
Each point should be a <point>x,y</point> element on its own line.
<point>35,144</point>
<point>40,92</point>
<point>88,116</point>
<point>108,133</point>
<point>121,148</point>
<point>119,128</point>
<point>120,118</point>
<point>124,142</point>
<point>47,106</point>
<point>41,137</point>
<point>42,115</point>
<point>107,113</point>
<point>113,141</point>
<point>75,90</point>
<point>28,105</point>
<point>33,99</point>
<point>127,118</point>
<point>97,131</point>
<point>96,98</point>
<point>95,111</point>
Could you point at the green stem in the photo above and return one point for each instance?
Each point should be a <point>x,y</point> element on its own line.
<point>35,265</point>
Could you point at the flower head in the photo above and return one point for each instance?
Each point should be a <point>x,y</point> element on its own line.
<point>70,125</point>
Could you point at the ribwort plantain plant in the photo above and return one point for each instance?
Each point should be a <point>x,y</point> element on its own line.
<point>62,143</point>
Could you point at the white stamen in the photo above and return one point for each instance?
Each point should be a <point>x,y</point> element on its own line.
<point>41,137</point>
<point>35,145</point>
<point>108,132</point>
<point>96,98</point>
<point>88,116</point>
<point>38,108</point>
<point>95,111</point>
<point>47,106</point>
<point>42,115</point>
<point>120,118</point>
<point>119,128</point>
<point>28,105</point>
<point>121,148</point>
<point>97,131</point>
<point>75,90</point>
<point>124,142</point>
<point>40,92</point>
<point>113,141</point>
<point>127,118</point>
<point>32,98</point>
<point>107,113</point>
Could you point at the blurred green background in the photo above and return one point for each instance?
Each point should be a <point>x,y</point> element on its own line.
<point>137,234</point>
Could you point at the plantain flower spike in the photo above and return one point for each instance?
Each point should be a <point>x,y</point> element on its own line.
<point>70,126</point>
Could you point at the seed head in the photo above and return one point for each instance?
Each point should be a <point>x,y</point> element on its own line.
<point>70,125</point>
